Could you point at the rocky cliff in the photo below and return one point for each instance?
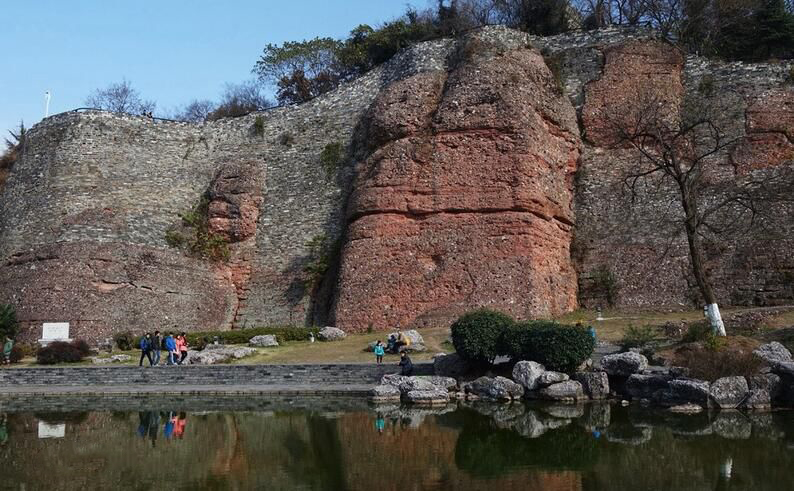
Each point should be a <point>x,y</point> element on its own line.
<point>462,173</point>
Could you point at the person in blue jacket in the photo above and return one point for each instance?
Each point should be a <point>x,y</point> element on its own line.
<point>146,349</point>
<point>378,352</point>
<point>170,346</point>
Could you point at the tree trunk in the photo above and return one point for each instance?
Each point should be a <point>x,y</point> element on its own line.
<point>691,225</point>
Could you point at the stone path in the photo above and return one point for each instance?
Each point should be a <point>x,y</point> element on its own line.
<point>306,389</point>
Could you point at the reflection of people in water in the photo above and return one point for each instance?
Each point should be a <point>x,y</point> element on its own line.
<point>168,431</point>
<point>3,428</point>
<point>380,423</point>
<point>179,425</point>
<point>149,424</point>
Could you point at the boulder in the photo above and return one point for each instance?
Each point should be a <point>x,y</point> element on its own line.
<point>568,391</point>
<point>594,384</point>
<point>769,382</point>
<point>550,378</point>
<point>728,392</point>
<point>406,384</point>
<point>624,363</point>
<point>757,399</point>
<point>773,353</point>
<point>329,333</point>
<point>413,348</point>
<point>263,341</point>
<point>449,365</point>
<point>686,390</point>
<point>643,386</point>
<point>527,374</point>
<point>220,354</point>
<point>496,388</point>
<point>427,397</point>
<point>412,334</point>
<point>784,369</point>
<point>384,393</point>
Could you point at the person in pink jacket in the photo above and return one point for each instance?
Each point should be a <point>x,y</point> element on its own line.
<point>181,348</point>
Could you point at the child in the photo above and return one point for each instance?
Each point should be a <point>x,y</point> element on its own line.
<point>378,352</point>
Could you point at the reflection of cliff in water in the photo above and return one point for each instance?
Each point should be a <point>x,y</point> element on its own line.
<point>506,447</point>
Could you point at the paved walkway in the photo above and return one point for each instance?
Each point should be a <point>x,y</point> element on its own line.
<point>307,389</point>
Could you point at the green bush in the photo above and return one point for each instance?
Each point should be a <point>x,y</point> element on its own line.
<point>637,337</point>
<point>259,126</point>
<point>480,335</point>
<point>699,331</point>
<point>242,336</point>
<point>17,353</point>
<point>124,341</point>
<point>558,347</point>
<point>8,322</point>
<point>331,158</point>
<point>62,352</point>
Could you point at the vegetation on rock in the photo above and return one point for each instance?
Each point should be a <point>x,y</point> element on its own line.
<point>194,235</point>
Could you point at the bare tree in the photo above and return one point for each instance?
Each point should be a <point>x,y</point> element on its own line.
<point>241,99</point>
<point>195,111</point>
<point>686,151</point>
<point>120,97</point>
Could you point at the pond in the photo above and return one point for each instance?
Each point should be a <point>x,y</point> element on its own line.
<point>347,444</point>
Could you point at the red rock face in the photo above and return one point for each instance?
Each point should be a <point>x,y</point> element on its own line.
<point>770,132</point>
<point>466,202</point>
<point>635,74</point>
<point>99,287</point>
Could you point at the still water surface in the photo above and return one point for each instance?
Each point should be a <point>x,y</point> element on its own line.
<point>482,446</point>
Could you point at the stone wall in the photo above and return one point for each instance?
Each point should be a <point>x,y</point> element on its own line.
<point>84,215</point>
<point>252,375</point>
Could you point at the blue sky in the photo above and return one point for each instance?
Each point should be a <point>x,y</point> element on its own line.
<point>171,51</point>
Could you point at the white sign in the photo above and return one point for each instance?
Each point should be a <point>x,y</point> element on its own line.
<point>47,430</point>
<point>55,331</point>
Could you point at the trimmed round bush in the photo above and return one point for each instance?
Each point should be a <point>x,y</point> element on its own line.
<point>61,352</point>
<point>556,346</point>
<point>479,335</point>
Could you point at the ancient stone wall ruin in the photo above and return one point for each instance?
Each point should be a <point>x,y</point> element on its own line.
<point>464,178</point>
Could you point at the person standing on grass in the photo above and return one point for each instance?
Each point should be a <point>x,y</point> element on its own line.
<point>170,346</point>
<point>146,349</point>
<point>157,342</point>
<point>8,346</point>
<point>378,352</point>
<point>181,347</point>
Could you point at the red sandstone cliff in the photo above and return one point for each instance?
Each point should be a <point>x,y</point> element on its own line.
<point>466,199</point>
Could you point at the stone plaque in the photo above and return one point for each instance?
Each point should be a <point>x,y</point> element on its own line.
<point>47,430</point>
<point>54,330</point>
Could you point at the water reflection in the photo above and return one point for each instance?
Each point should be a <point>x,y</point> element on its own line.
<point>475,445</point>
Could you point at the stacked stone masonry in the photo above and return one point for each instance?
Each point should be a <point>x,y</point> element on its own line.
<point>466,180</point>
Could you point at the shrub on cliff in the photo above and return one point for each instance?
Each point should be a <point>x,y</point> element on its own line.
<point>8,321</point>
<point>479,335</point>
<point>62,352</point>
<point>558,347</point>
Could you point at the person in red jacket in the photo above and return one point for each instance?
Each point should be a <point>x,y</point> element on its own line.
<point>181,347</point>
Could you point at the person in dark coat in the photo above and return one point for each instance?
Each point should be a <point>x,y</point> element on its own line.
<point>406,366</point>
<point>146,349</point>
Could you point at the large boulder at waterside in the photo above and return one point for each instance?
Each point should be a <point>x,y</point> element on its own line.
<point>263,341</point>
<point>757,399</point>
<point>406,384</point>
<point>331,334</point>
<point>494,389</point>
<point>624,364</point>
<point>728,392</point>
<point>449,365</point>
<point>527,374</point>
<point>682,391</point>
<point>568,391</point>
<point>550,378</point>
<point>220,354</point>
<point>385,393</point>
<point>431,397</point>
<point>773,353</point>
<point>644,386</point>
<point>594,384</point>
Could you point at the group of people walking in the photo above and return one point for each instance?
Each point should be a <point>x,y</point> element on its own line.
<point>152,346</point>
